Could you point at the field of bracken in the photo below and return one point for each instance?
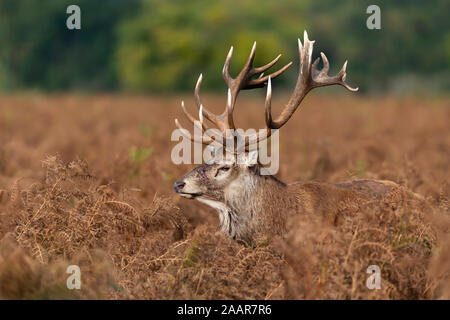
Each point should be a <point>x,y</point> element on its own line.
<point>87,180</point>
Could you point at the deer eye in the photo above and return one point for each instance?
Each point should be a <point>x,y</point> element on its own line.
<point>222,169</point>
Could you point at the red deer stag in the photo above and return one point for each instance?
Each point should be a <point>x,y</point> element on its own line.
<point>253,206</point>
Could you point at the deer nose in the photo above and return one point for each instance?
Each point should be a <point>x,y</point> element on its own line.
<point>178,186</point>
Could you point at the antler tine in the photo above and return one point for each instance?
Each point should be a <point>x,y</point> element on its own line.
<point>200,115</point>
<point>192,138</point>
<point>187,114</point>
<point>260,82</point>
<point>252,140</point>
<point>191,118</point>
<point>199,124</point>
<point>244,81</point>
<point>265,67</point>
<point>219,121</point>
<point>249,64</point>
<point>208,115</point>
<point>321,78</point>
<point>305,55</point>
<point>309,78</point>
<point>268,104</point>
<point>206,138</point>
<point>226,69</point>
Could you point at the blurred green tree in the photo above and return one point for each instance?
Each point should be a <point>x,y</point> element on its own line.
<point>162,46</point>
<point>38,51</point>
<point>170,42</point>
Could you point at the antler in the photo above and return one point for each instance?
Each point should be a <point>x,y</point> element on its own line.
<point>309,78</point>
<point>244,80</point>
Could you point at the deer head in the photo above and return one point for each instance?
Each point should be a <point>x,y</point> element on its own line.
<point>227,184</point>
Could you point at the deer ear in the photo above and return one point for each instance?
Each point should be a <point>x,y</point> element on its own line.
<point>252,158</point>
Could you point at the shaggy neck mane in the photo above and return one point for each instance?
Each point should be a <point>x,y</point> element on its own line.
<point>245,210</point>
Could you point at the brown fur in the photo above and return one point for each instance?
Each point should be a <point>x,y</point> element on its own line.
<point>254,207</point>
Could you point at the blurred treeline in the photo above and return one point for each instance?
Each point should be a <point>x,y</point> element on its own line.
<point>163,45</point>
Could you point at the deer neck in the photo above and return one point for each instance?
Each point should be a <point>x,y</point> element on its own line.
<point>249,206</point>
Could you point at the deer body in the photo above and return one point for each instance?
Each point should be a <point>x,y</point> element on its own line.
<point>252,205</point>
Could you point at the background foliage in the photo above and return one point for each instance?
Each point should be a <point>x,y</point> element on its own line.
<point>155,46</point>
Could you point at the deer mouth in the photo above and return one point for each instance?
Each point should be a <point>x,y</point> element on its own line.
<point>189,195</point>
<point>180,188</point>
